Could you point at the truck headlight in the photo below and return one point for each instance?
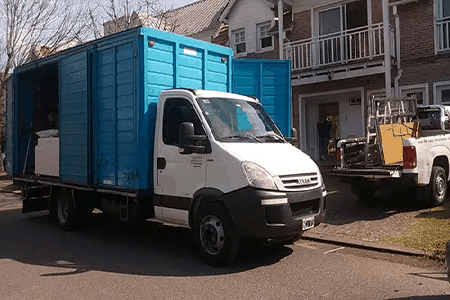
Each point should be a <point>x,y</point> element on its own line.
<point>257,177</point>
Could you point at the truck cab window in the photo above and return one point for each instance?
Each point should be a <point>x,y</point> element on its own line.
<point>177,111</point>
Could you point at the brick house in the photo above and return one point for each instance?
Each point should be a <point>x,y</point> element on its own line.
<point>337,49</point>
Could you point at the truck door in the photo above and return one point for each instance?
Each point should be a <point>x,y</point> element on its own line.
<point>270,82</point>
<point>178,176</point>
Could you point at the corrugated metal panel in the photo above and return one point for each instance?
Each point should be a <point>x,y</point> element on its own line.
<point>175,61</point>
<point>115,115</point>
<point>270,82</point>
<point>73,120</point>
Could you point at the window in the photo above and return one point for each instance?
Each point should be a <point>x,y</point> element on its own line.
<point>238,37</point>
<point>332,24</point>
<point>265,41</point>
<point>443,25</point>
<point>442,92</point>
<point>420,91</point>
<point>177,111</point>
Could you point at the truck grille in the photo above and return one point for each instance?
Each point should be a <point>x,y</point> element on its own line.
<point>304,208</point>
<point>300,181</point>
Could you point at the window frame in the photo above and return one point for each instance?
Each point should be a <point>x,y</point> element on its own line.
<point>423,87</point>
<point>259,37</point>
<point>170,102</point>
<point>233,41</point>
<point>438,17</point>
<point>437,88</point>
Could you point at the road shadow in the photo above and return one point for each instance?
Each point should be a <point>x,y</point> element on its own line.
<point>344,207</point>
<point>152,249</point>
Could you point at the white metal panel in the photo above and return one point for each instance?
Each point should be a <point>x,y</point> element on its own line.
<point>47,157</point>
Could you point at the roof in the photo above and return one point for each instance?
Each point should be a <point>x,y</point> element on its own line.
<point>198,16</point>
<point>271,3</point>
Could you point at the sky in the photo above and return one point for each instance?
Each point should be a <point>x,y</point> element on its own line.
<point>177,3</point>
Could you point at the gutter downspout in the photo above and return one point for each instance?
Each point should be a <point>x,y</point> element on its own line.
<point>397,51</point>
<point>280,28</point>
<point>387,54</point>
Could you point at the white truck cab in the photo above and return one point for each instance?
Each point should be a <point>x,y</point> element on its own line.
<point>224,169</point>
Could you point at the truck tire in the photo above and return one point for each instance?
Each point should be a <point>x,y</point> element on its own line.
<point>438,186</point>
<point>214,235</point>
<point>66,215</point>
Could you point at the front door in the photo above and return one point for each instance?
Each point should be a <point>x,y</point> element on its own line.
<point>179,176</point>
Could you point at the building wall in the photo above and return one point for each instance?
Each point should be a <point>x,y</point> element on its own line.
<point>248,14</point>
<point>374,82</point>
<point>419,62</point>
<point>303,11</point>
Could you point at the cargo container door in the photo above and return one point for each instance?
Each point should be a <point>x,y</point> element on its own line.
<point>270,82</point>
<point>74,118</point>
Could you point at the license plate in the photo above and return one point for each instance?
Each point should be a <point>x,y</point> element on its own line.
<point>307,223</point>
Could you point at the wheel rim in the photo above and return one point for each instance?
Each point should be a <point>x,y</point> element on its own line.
<point>212,234</point>
<point>63,210</point>
<point>440,187</point>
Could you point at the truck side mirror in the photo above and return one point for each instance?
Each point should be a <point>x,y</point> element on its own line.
<point>293,138</point>
<point>187,139</point>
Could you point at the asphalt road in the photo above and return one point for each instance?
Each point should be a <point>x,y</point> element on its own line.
<point>112,261</point>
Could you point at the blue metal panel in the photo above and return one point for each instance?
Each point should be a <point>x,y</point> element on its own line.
<point>73,120</point>
<point>115,114</point>
<point>174,61</point>
<point>270,82</point>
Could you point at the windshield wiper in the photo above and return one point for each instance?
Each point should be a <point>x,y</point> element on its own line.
<point>246,136</point>
<point>271,134</point>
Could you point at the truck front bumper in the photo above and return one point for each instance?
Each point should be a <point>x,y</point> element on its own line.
<point>260,213</point>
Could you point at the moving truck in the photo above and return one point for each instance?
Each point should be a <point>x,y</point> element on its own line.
<point>143,125</point>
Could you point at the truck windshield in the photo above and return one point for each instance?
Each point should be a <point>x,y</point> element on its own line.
<point>233,120</point>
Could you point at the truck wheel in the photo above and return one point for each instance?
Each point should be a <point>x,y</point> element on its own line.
<point>214,234</point>
<point>438,185</point>
<point>66,211</point>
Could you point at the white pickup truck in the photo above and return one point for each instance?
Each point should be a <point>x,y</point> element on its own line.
<point>424,159</point>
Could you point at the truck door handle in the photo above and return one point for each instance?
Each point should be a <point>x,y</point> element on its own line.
<point>160,163</point>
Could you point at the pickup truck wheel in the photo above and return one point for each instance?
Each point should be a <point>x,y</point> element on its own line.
<point>438,185</point>
<point>214,234</point>
<point>65,211</point>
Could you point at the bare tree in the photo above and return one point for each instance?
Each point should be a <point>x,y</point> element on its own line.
<point>113,16</point>
<point>31,29</point>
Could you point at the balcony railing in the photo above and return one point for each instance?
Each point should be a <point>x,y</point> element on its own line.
<point>443,34</point>
<point>342,47</point>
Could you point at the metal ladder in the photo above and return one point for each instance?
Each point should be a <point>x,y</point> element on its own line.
<point>385,111</point>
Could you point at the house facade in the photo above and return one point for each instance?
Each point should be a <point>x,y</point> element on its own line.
<point>339,59</point>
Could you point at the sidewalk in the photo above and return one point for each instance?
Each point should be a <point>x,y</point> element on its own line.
<point>373,227</point>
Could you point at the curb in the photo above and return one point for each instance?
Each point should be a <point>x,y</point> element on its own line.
<point>374,246</point>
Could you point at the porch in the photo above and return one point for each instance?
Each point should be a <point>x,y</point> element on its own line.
<point>339,55</point>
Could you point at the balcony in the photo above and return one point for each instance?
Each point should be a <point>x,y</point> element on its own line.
<point>443,34</point>
<point>363,44</point>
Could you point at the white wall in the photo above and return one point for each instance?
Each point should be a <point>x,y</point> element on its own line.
<point>350,118</point>
<point>248,13</point>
